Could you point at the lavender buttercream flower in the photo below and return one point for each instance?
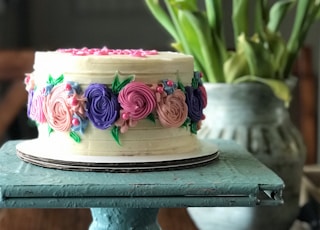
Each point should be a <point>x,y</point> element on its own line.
<point>102,106</point>
<point>194,101</point>
<point>30,97</point>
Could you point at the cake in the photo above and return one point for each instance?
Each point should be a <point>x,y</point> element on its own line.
<point>115,108</point>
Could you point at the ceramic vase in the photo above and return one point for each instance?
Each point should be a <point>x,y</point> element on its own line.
<point>251,115</point>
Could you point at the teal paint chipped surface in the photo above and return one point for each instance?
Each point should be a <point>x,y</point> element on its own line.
<point>133,199</point>
<point>235,179</point>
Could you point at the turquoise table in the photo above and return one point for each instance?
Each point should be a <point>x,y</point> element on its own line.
<point>131,200</point>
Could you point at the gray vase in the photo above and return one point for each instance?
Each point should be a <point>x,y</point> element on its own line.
<point>251,115</point>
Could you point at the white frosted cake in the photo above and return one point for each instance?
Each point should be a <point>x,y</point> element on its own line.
<point>98,107</point>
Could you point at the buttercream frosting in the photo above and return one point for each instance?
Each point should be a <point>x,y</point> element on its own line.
<point>148,101</point>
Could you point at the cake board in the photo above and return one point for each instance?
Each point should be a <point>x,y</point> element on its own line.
<point>33,152</point>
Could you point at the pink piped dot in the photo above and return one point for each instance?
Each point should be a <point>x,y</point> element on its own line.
<point>27,78</point>
<point>68,87</point>
<point>170,83</point>
<point>160,89</point>
<point>75,122</point>
<point>74,101</point>
<point>125,116</point>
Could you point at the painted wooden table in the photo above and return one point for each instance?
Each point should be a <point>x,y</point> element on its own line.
<point>132,200</point>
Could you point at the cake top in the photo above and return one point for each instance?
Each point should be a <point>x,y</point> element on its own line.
<point>101,64</point>
<point>108,52</point>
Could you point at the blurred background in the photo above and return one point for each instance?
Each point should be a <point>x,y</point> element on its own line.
<point>30,25</point>
<point>47,25</point>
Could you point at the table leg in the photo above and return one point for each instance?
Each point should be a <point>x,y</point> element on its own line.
<point>124,218</point>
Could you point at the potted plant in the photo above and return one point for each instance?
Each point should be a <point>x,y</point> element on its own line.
<point>255,112</point>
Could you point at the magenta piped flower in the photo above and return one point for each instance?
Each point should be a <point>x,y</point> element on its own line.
<point>137,100</point>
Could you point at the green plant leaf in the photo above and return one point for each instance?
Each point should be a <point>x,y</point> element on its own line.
<point>277,13</point>
<point>260,17</point>
<point>278,50</point>
<point>214,17</point>
<point>190,5</point>
<point>259,59</point>
<point>173,12</point>
<point>298,34</point>
<point>161,16</point>
<point>235,66</point>
<point>279,88</point>
<point>239,18</point>
<point>197,32</point>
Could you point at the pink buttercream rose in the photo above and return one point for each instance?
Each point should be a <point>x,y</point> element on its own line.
<point>137,100</point>
<point>36,108</point>
<point>172,109</point>
<point>57,110</point>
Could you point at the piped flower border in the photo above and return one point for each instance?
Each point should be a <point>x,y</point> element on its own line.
<point>65,107</point>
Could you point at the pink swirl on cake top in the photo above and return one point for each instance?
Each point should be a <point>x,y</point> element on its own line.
<point>106,51</point>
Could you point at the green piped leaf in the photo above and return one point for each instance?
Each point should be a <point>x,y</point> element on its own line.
<point>194,83</point>
<point>193,127</point>
<point>75,137</point>
<point>50,80</point>
<point>50,130</point>
<point>151,117</point>
<point>186,122</point>
<point>59,80</point>
<point>115,132</point>
<point>53,81</point>
<point>117,85</point>
<point>181,87</point>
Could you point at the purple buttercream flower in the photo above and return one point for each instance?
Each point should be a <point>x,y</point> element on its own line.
<point>30,97</point>
<point>102,106</point>
<point>195,103</point>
